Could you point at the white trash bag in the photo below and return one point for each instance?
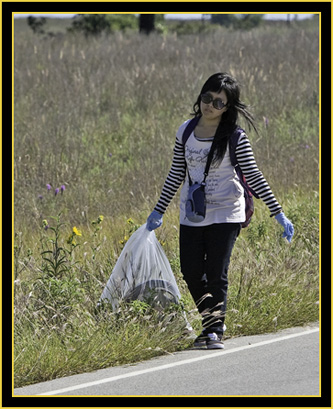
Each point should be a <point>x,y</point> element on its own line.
<point>142,272</point>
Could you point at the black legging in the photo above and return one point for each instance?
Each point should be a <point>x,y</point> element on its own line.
<point>204,256</point>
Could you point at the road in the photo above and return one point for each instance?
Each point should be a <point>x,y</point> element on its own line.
<point>285,363</point>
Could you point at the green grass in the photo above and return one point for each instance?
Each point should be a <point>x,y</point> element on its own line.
<point>118,338</point>
<point>99,116</point>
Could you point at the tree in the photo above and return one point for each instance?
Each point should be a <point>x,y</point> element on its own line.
<point>95,24</point>
<point>223,19</point>
<point>36,24</point>
<point>90,24</point>
<point>248,21</point>
<point>146,23</point>
<point>237,21</point>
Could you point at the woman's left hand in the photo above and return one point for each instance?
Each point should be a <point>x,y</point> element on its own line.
<point>287,225</point>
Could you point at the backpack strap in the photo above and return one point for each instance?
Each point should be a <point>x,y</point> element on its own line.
<point>233,142</point>
<point>190,128</point>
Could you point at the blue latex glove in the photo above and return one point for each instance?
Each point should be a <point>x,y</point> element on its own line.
<point>154,221</point>
<point>286,224</point>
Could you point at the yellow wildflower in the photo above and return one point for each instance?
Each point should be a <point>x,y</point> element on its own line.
<point>76,231</point>
<point>125,239</point>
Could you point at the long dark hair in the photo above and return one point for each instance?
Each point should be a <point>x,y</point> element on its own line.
<point>225,82</point>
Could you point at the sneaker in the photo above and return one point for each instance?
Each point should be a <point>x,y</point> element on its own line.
<point>214,341</point>
<point>201,341</point>
<point>203,338</point>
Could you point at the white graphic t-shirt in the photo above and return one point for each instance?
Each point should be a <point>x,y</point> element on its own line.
<point>225,201</point>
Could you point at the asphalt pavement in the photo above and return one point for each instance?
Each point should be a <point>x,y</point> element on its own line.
<point>285,363</point>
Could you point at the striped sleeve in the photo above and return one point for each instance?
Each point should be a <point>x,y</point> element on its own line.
<point>253,175</point>
<point>174,179</point>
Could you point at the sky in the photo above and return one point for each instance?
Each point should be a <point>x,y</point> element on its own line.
<point>277,16</point>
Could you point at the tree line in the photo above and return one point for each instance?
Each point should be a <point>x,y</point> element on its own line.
<point>94,24</point>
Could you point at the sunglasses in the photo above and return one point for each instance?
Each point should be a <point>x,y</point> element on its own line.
<point>217,103</point>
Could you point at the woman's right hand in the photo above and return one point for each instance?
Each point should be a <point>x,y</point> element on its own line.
<point>154,221</point>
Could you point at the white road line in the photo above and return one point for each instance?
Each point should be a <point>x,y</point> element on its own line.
<point>179,363</point>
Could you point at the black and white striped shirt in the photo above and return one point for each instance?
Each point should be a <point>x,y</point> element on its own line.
<point>247,163</point>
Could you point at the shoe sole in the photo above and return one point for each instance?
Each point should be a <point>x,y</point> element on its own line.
<point>215,346</point>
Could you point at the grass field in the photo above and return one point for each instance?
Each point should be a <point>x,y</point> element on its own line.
<point>96,119</point>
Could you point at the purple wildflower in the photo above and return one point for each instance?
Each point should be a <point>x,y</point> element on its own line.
<point>56,191</point>
<point>48,187</point>
<point>40,197</point>
<point>63,188</point>
<point>110,155</point>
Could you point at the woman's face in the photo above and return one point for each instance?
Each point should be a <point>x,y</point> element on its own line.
<point>208,109</point>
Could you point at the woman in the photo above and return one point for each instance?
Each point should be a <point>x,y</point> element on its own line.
<point>206,246</point>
